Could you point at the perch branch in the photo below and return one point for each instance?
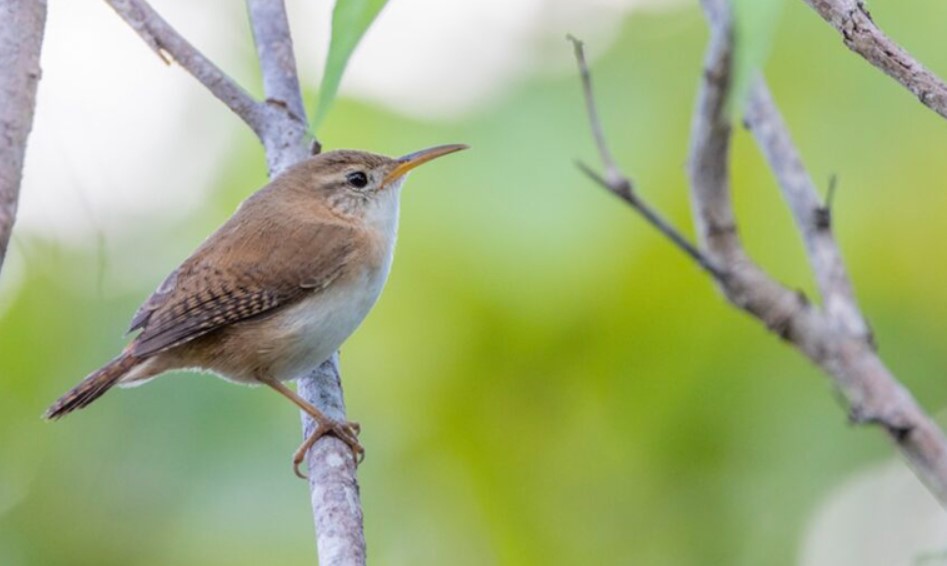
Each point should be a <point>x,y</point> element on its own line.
<point>333,484</point>
<point>860,34</point>
<point>170,45</point>
<point>21,38</point>
<point>835,337</point>
<point>280,124</point>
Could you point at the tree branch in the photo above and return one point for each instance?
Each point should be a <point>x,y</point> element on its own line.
<point>280,124</point>
<point>860,34</point>
<point>836,337</point>
<point>167,42</point>
<point>284,139</point>
<point>21,37</point>
<point>333,486</point>
<point>620,185</point>
<point>812,217</point>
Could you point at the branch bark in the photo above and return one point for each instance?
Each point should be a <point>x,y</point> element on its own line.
<point>170,45</point>
<point>21,37</point>
<point>333,485</point>
<point>860,34</point>
<point>280,124</point>
<point>835,337</point>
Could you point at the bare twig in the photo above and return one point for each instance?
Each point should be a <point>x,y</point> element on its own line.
<point>620,185</point>
<point>274,46</point>
<point>21,36</point>
<point>280,123</point>
<point>835,337</point>
<point>860,34</point>
<point>167,42</point>
<point>285,139</point>
<point>812,218</point>
<point>837,340</point>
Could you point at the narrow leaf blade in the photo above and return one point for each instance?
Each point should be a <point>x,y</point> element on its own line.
<point>755,23</point>
<point>350,21</point>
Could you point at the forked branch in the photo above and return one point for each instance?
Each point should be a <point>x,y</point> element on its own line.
<point>835,336</point>
<point>619,184</point>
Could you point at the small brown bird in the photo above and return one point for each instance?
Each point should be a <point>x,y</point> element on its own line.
<point>277,289</point>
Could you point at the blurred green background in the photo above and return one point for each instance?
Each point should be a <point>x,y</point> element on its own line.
<point>545,380</point>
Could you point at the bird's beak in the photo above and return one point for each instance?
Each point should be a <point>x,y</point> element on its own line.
<point>412,160</point>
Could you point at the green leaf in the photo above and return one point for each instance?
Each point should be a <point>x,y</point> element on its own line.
<point>755,23</point>
<point>350,20</point>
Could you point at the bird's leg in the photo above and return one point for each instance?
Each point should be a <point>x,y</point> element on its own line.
<point>347,432</point>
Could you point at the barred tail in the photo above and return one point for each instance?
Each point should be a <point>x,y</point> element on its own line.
<point>93,386</point>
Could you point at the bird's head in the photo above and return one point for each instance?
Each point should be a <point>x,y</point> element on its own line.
<point>361,184</point>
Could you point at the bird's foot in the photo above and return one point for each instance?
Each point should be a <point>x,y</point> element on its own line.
<point>347,432</point>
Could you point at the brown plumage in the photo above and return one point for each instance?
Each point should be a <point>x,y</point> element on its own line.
<point>93,386</point>
<point>277,288</point>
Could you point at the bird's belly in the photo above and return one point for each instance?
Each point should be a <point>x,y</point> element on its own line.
<point>306,334</point>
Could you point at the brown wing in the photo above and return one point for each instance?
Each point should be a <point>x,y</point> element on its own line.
<point>236,275</point>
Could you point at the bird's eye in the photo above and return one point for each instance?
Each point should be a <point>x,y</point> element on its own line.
<point>357,179</point>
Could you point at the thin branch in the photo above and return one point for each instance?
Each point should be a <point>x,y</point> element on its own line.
<point>849,358</point>
<point>612,172</point>
<point>333,484</point>
<point>708,166</point>
<point>280,123</point>
<point>828,338</point>
<point>620,185</point>
<point>285,141</point>
<point>812,218</point>
<point>860,34</point>
<point>21,37</point>
<point>167,42</point>
<point>274,46</point>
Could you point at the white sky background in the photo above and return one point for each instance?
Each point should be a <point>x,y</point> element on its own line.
<point>116,131</point>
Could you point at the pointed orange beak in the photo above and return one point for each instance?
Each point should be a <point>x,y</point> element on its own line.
<point>412,160</point>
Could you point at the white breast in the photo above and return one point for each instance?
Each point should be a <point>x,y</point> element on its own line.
<point>317,326</point>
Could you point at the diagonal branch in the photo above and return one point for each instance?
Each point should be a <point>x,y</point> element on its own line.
<point>168,43</point>
<point>813,218</point>
<point>860,34</point>
<point>834,338</point>
<point>21,36</point>
<point>620,185</point>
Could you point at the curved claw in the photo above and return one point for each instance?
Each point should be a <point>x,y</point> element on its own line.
<point>346,432</point>
<point>296,463</point>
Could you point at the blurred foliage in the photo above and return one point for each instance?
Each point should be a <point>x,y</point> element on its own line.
<point>545,380</point>
<point>350,21</point>
<point>754,28</point>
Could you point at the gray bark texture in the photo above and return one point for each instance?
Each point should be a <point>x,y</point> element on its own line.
<point>835,335</point>
<point>22,23</point>
<point>280,123</point>
<point>860,34</point>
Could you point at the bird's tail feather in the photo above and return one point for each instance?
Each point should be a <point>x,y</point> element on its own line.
<point>93,386</point>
